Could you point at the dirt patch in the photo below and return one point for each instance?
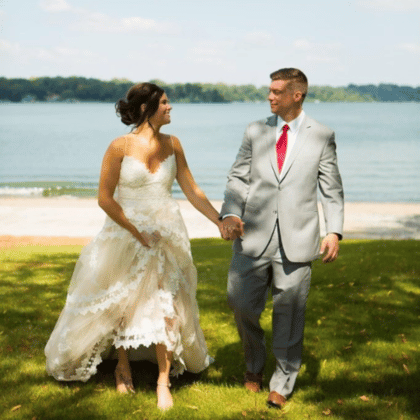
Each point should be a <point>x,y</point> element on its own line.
<point>8,242</point>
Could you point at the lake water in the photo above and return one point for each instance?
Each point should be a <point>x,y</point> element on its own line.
<point>57,148</point>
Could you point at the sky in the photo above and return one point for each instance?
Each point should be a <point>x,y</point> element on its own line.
<point>334,42</point>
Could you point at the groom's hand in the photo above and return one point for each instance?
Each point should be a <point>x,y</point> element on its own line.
<point>232,228</point>
<point>330,247</point>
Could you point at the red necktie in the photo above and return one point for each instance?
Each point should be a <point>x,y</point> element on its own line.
<point>281,147</point>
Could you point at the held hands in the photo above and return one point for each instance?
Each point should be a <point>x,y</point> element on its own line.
<point>330,247</point>
<point>231,228</point>
<point>149,239</point>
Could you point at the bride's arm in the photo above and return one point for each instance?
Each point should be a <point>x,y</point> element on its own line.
<point>191,190</point>
<point>110,174</point>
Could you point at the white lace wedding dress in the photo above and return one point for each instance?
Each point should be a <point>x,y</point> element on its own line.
<point>124,294</point>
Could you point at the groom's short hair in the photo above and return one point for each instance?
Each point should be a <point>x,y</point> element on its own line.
<point>296,76</point>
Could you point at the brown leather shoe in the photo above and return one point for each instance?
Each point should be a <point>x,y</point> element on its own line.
<point>276,400</point>
<point>253,381</point>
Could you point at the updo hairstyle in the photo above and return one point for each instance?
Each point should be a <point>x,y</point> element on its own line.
<point>129,109</point>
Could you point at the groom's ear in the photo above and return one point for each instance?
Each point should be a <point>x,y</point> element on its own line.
<point>297,96</point>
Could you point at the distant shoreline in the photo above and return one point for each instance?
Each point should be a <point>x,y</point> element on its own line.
<point>77,88</point>
<point>311,101</point>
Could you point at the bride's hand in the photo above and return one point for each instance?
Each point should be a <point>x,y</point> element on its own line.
<point>149,239</point>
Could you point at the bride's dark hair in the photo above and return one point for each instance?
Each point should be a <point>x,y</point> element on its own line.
<point>130,109</point>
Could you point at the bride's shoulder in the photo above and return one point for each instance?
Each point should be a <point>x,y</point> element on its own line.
<point>171,141</point>
<point>118,145</point>
<point>119,141</point>
<point>170,138</point>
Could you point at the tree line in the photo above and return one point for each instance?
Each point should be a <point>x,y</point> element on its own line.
<point>70,89</point>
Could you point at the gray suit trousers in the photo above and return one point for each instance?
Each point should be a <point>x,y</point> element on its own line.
<point>249,282</point>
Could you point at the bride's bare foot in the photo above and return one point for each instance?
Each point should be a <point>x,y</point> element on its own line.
<point>123,380</point>
<point>164,396</point>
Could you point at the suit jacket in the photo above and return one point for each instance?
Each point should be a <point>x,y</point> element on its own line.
<point>257,194</point>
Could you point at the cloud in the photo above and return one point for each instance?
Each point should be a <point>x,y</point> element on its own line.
<point>206,52</point>
<point>318,52</point>
<point>54,5</point>
<point>305,45</point>
<point>391,5</point>
<point>61,54</point>
<point>56,54</point>
<point>9,48</point>
<point>302,44</point>
<point>258,38</point>
<point>3,17</point>
<point>410,47</point>
<point>88,21</point>
<point>100,22</point>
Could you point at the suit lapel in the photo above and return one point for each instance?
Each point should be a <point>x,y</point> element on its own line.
<point>270,140</point>
<point>300,141</point>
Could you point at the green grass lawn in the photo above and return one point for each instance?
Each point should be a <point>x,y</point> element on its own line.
<point>361,351</point>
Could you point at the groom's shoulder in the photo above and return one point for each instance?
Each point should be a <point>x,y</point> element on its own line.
<point>260,127</point>
<point>270,121</point>
<point>318,126</point>
<point>262,124</point>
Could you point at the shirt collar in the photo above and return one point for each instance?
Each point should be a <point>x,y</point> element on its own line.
<point>293,125</point>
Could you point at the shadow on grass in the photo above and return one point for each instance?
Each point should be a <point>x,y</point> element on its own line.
<point>362,319</point>
<point>361,337</point>
<point>35,288</point>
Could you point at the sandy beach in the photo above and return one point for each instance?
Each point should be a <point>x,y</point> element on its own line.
<point>73,221</point>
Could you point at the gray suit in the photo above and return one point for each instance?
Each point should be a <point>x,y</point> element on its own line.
<point>282,237</point>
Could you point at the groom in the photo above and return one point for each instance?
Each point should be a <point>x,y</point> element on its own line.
<point>270,210</point>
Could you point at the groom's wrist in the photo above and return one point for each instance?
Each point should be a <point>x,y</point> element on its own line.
<point>230,215</point>
<point>339,237</point>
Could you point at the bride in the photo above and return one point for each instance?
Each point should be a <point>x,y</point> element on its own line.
<point>133,288</point>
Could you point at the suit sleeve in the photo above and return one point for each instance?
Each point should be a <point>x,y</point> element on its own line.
<point>237,187</point>
<point>331,189</point>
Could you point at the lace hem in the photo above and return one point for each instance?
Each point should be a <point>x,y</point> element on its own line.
<point>159,324</point>
<point>88,366</point>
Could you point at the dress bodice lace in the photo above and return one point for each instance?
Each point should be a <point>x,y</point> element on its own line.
<point>138,183</point>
